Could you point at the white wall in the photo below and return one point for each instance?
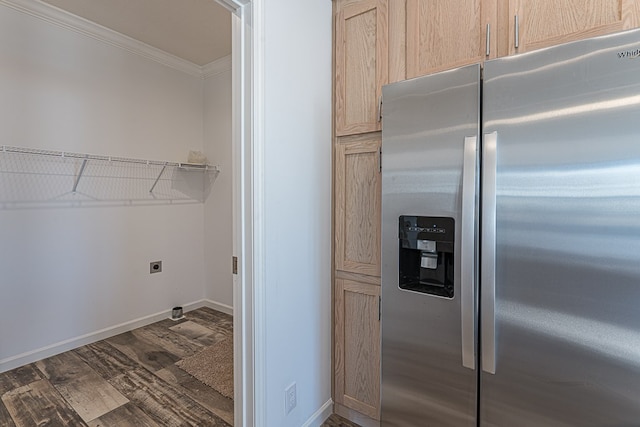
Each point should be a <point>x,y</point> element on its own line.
<point>218,207</point>
<point>297,181</point>
<point>66,272</point>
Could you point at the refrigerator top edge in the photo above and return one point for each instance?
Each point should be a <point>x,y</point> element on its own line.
<point>621,49</point>
<point>591,43</point>
<point>585,79</point>
<point>428,106</point>
<point>439,79</point>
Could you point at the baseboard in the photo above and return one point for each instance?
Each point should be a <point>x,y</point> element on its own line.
<point>355,416</point>
<point>60,347</point>
<point>321,415</point>
<point>217,306</point>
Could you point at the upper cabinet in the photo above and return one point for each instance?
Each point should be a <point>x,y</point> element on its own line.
<point>381,41</point>
<point>541,23</point>
<point>446,34</point>
<point>361,65</point>
<point>427,36</point>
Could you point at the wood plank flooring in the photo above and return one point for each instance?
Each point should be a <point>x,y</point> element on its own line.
<point>337,421</point>
<point>129,380</point>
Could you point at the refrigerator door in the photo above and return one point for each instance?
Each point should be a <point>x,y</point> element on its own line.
<point>429,146</point>
<point>565,124</point>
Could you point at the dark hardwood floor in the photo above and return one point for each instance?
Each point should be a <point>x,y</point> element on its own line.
<point>337,421</point>
<point>129,380</point>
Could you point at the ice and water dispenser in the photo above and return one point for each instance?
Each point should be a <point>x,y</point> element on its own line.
<point>426,254</point>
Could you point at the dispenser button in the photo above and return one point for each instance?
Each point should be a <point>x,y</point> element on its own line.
<point>426,245</point>
<point>429,261</point>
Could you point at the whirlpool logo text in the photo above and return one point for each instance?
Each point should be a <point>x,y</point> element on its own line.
<point>631,54</point>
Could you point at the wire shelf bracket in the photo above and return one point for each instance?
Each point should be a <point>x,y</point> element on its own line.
<point>34,176</point>
<point>75,184</point>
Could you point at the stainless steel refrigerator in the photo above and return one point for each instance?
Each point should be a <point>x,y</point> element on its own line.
<point>511,241</point>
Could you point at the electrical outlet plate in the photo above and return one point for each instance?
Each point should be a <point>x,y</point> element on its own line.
<point>290,398</point>
<point>155,267</point>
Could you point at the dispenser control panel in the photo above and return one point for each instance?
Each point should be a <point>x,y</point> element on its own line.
<point>426,254</point>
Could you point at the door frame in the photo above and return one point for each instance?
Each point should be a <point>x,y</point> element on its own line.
<point>248,211</point>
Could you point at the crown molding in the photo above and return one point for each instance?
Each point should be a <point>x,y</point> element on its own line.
<point>233,5</point>
<point>68,21</point>
<point>216,67</point>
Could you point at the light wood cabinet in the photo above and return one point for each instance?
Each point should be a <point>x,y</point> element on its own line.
<point>544,23</point>
<point>446,34</point>
<point>357,346</point>
<point>381,41</point>
<point>360,66</point>
<point>439,35</point>
<point>357,204</point>
<point>361,69</point>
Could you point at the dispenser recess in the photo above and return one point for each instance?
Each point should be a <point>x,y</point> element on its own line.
<point>426,254</point>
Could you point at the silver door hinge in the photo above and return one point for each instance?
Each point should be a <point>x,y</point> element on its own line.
<point>380,159</point>
<point>380,109</point>
<point>379,308</point>
<point>234,264</point>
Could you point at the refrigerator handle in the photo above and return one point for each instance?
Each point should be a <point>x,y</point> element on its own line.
<point>467,245</point>
<point>488,250</point>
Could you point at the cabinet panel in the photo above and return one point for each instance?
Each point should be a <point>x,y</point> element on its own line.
<point>357,204</point>
<point>361,65</point>
<point>357,346</point>
<point>397,40</point>
<point>448,34</point>
<point>543,23</point>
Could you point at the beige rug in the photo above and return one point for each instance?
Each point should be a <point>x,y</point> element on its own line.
<point>213,366</point>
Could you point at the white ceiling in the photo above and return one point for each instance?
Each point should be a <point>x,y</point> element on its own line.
<point>198,31</point>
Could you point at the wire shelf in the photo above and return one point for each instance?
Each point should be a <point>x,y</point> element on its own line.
<point>33,177</point>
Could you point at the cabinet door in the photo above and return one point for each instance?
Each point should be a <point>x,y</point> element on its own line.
<point>357,346</point>
<point>448,34</point>
<point>361,65</point>
<point>357,204</point>
<point>543,23</point>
